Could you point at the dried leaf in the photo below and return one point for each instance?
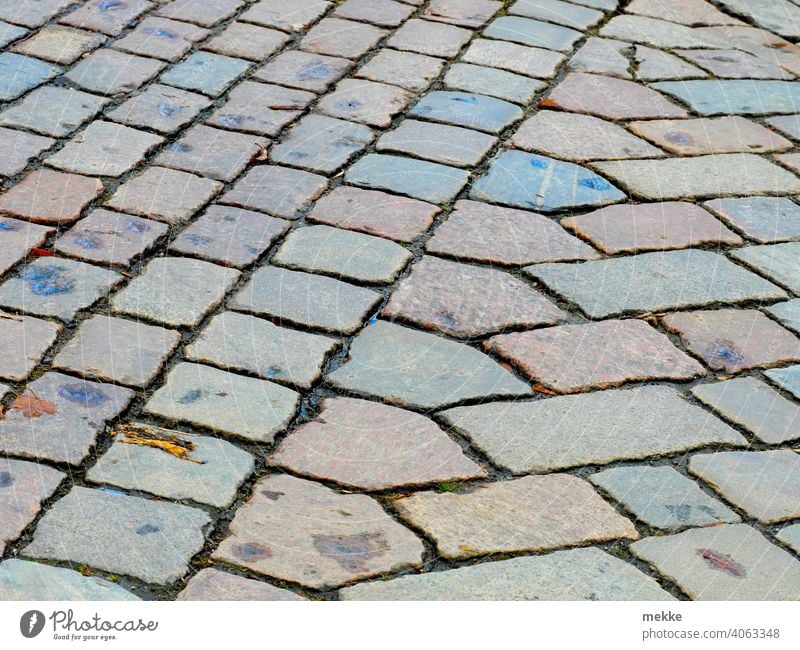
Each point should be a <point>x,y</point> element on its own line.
<point>542,389</point>
<point>42,252</point>
<point>548,103</point>
<point>33,407</point>
<point>148,436</point>
<point>10,317</point>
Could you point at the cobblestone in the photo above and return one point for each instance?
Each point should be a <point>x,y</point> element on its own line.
<point>211,584</point>
<point>161,108</point>
<point>279,191</point>
<point>109,72</point>
<point>405,69</point>
<point>761,218</point>
<point>778,262</point>
<point>46,196</point>
<point>33,336</point>
<point>23,580</point>
<point>53,111</point>
<point>62,45</point>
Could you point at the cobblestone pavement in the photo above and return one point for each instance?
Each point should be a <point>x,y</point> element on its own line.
<point>414,299</point>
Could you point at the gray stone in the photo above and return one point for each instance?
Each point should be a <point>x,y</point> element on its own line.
<point>18,238</point>
<point>788,124</point>
<point>212,584</point>
<point>63,45</point>
<point>18,148</point>
<point>427,37</point>
<point>161,38</point>
<point>53,111</point>
<point>779,262</point>
<point>450,145</point>
<point>685,12</point>
<point>786,378</point>
<point>161,108</point>
<point>207,13</point>
<point>788,313</point>
<point>109,19</point>
<point>221,401</point>
<point>765,219</point>
<point>109,72</point>
<point>279,191</point>
<point>733,64</point>
<point>466,109</point>
<point>602,56</point>
<point>273,13</point>
<point>555,11</point>
<point>791,535</point>
<point>365,101</point>
<point>303,70</point>
<point>529,61</point>
<point>735,96</point>
<point>655,65</point>
<point>245,41</point>
<point>405,69</point>
<point>532,32</point>
<point>562,432</point>
<point>658,33</point>
<point>32,581</point>
<point>206,73</point>
<point>19,74</point>
<point>23,342</point>
<point>10,33</point>
<point>493,82</point>
<point>345,38</point>
<point>31,14</point>
<point>780,16</point>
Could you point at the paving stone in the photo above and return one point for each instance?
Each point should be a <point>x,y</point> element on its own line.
<point>23,488</point>
<point>212,476</point>
<point>375,213</point>
<point>700,176</point>
<point>560,13</point>
<point>465,109</point>
<point>303,70</point>
<point>606,5</point>
<point>791,535</point>
<point>466,301</point>
<point>658,33</point>
<point>686,12</point>
<point>492,82</point>
<point>788,124</point>
<point>321,143</point>
<point>262,109</point>
<point>727,562</point>
<point>405,69</point>
<point>786,378</point>
<point>206,73</point>
<point>780,16</point>
<point>230,236</point>
<point>10,33</point>
<point>222,401</point>
<point>113,349</point>
<point>532,32</point>
<point>739,96</point>
<point>385,13</point>
<point>561,432</point>
<point>410,368</point>
<point>207,13</point>
<point>779,262</point>
<point>654,282</point>
<point>17,148</point>
<point>530,61</point>
<point>23,342</point>
<point>733,64</point>
<point>161,38</point>
<point>344,38</point>
<point>279,191</point>
<point>31,14</point>
<point>22,580</point>
<point>467,13</point>
<point>790,160</point>
<point>165,536</point>
<point>245,41</point>
<point>788,313</point>
<point>614,99</point>
<point>764,219</point>
<point>365,101</point>
<point>66,432</point>
<point>753,405</point>
<point>164,194</point>
<point>63,45</point>
<point>533,513</point>
<point>213,153</point>
<point>305,299</point>
<point>579,137</point>
<point>662,497</point>
<point>175,291</point>
<point>343,254</point>
<point>653,65</point>
<point>19,74</point>
<point>211,584</point>
<point>650,226</point>
<point>240,342</point>
<point>108,18</point>
<point>53,111</point>
<point>426,37</point>
<point>274,13</point>
<point>304,532</point>
<point>17,239</point>
<point>524,180</point>
<point>603,56</point>
<point>416,178</point>
<point>57,287</point>
<point>450,145</point>
<point>109,72</point>
<point>161,108</point>
<point>575,574</point>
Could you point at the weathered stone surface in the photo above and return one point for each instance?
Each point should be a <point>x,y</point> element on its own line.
<point>765,219</point>
<point>110,19</point>
<point>525,180</point>
<point>735,96</point>
<point>492,82</point>
<point>572,358</point>
<point>113,349</point>
<point>426,37</point>
<point>19,74</point>
<point>109,72</point>
<point>207,13</point>
<point>791,535</point>
<point>685,12</point>
<point>529,61</point>
<point>786,378</point>
<point>650,226</point>
<point>303,70</point>
<point>561,432</point>
<point>221,401</point>
<point>245,41</point>
<point>487,233</point>
<point>304,532</point>
<point>533,513</point>
<point>17,148</point>
<point>656,65</point>
<point>31,14</point>
<point>161,108</point>
<point>212,476</point>
<point>165,535</point>
<point>240,342</point>
<point>450,145</point>
<point>658,33</point>
<point>406,367</point>
<point>386,13</point>
<point>555,11</point>
<point>662,497</point>
<point>206,73</point>
<point>654,282</point>
<point>343,254</point>
<point>372,446</point>
<point>469,13</point>
<point>46,196</point>
<point>602,56</point>
<point>175,291</point>
<point>532,32</point>
<point>22,580</point>
<point>345,38</point>
<point>788,124</point>
<point>365,101</point>
<point>17,239</point>
<point>63,45</point>
<point>66,431</point>
<point>306,299</point>
<point>780,16</point>
<point>211,584</point>
<point>23,342</point>
<point>273,13</point>
<point>279,191</point>
<point>752,404</point>
<point>405,69</point>
<point>733,64</point>
<point>779,262</point>
<point>575,574</point>
<point>465,109</point>
<point>53,111</point>
<point>788,313</point>
<point>790,160</point>
<point>161,38</point>
<point>728,562</point>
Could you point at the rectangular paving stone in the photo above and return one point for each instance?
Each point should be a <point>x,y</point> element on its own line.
<point>62,45</point>
<point>161,38</point>
<point>244,343</point>
<point>212,584</point>
<point>659,33</point>
<point>786,378</point>
<point>31,14</point>
<point>57,287</point>
<point>653,282</point>
<point>147,539</point>
<point>22,580</point>
<point>788,124</point>
<point>426,37</point>
<point>790,535</point>
<point>493,82</point>
<point>229,236</point>
<point>23,342</point>
<point>787,313</point>
<point>344,38</point>
<point>161,108</point>
<point>560,13</point>
<point>111,19</point>
<point>305,299</point>
<point>17,239</point>
<point>109,72</point>
<point>468,13</point>
<point>777,15</point>
<point>532,32</point>
<point>733,64</point>
<point>562,432</point>
<point>53,111</point>
<point>529,61</point>
<point>779,262</point>
<point>385,13</point>
<point>273,13</point>
<point>19,74</point>
<point>18,148</point>
<point>465,109</point>
<point>450,145</point>
<point>662,497</point>
<point>206,73</point>
<point>279,191</point>
<point>604,56</point>
<point>175,291</point>
<point>64,426</point>
<point>207,13</point>
<point>212,476</point>
<point>363,101</point>
<point>656,65</point>
<point>245,41</point>
<point>405,69</point>
<point>533,513</point>
<point>735,96</point>
<point>303,70</point>
<point>766,219</point>
<point>685,12</point>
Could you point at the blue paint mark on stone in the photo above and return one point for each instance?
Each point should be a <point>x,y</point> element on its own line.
<point>147,529</point>
<point>274,371</point>
<point>539,163</point>
<point>373,319</point>
<point>464,109</point>
<point>315,71</point>
<point>7,227</point>
<point>191,396</point>
<point>110,5</point>
<point>137,227</point>
<point>83,394</point>
<point>677,138</point>
<point>231,120</point>
<point>168,111</point>
<point>197,240</point>
<point>465,99</point>
<point>178,147</point>
<point>348,105</point>
<point>726,353</point>
<point>162,33</point>
<point>596,183</point>
<point>48,280</point>
<point>87,241</point>
<point>735,96</point>
<point>5,479</point>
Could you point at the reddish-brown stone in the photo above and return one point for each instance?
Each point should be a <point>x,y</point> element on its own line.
<point>46,196</point>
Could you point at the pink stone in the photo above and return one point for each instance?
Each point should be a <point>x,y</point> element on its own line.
<point>46,196</point>
<point>212,584</point>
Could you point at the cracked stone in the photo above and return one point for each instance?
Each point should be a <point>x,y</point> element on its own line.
<point>655,65</point>
<point>279,191</point>
<point>786,378</point>
<point>555,11</point>
<point>23,343</point>
<point>658,33</point>
<point>19,74</point>
<point>765,219</point>
<point>733,64</point>
<point>788,124</point>
<point>788,313</point>
<point>21,580</point>
<point>791,536</point>
<point>211,584</point>
<point>18,148</point>
<point>53,111</point>
<point>18,238</point>
<point>602,56</point>
<point>778,15</point>
<point>687,12</point>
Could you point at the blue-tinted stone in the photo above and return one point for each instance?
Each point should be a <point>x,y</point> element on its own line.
<point>533,32</point>
<point>422,180</point>
<point>788,313</point>
<point>787,378</point>
<point>465,109</point>
<point>18,74</point>
<point>536,182</point>
<point>555,11</point>
<point>493,82</point>
<point>735,96</point>
<point>207,73</point>
<point>779,262</point>
<point>9,33</point>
